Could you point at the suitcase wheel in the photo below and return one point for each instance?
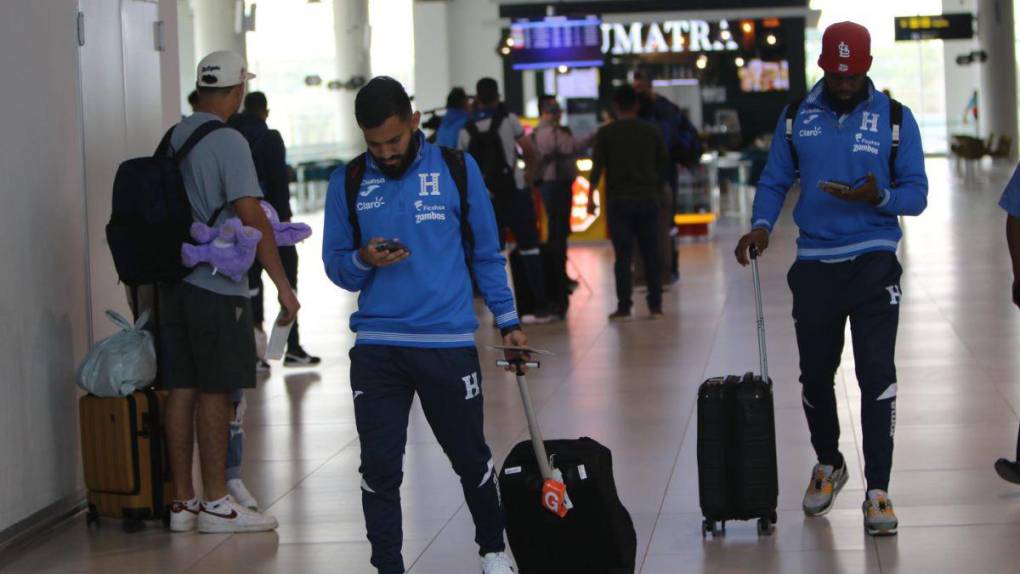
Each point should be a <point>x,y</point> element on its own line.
<point>92,516</point>
<point>765,526</point>
<point>713,528</point>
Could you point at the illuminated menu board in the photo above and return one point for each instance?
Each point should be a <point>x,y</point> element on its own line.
<point>556,41</point>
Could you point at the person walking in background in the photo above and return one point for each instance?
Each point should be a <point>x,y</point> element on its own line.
<point>458,112</point>
<point>492,137</point>
<point>270,156</point>
<point>631,153</point>
<point>684,148</point>
<point>860,163</point>
<point>557,151</point>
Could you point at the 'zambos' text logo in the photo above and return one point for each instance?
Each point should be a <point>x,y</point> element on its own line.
<point>863,144</point>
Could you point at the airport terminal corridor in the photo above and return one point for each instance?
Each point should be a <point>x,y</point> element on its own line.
<point>632,386</point>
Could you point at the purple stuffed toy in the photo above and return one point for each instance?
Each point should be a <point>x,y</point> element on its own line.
<point>230,249</point>
<point>285,233</point>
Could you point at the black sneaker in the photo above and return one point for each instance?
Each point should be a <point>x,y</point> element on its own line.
<point>620,315</point>
<point>299,358</point>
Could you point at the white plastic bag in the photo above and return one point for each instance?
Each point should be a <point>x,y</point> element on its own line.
<point>121,363</point>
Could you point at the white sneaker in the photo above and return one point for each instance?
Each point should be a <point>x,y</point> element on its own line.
<point>240,493</point>
<point>229,516</point>
<point>496,563</point>
<point>182,518</point>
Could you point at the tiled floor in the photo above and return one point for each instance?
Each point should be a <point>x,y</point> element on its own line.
<point>632,386</point>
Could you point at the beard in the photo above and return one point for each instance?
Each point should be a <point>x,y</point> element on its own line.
<point>845,105</point>
<point>396,170</point>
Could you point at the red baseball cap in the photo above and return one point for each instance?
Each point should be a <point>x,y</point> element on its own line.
<point>846,49</point>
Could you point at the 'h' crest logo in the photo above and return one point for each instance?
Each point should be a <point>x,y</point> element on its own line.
<point>471,386</point>
<point>869,122</point>
<point>844,50</point>
<point>894,294</point>
<point>429,183</point>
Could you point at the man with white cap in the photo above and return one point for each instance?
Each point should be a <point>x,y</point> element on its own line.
<point>859,159</point>
<point>205,321</point>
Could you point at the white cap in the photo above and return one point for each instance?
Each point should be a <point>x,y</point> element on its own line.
<point>222,70</point>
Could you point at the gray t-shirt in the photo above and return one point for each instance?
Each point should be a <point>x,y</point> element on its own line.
<point>217,171</point>
<point>510,130</point>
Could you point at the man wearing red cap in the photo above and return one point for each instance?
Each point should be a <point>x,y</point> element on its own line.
<point>858,156</point>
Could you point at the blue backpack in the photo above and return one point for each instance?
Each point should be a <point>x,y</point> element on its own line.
<point>152,215</point>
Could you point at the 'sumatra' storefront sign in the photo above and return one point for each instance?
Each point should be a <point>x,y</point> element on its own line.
<point>664,37</point>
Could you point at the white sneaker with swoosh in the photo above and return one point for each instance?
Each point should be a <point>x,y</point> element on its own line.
<point>183,518</point>
<point>228,516</point>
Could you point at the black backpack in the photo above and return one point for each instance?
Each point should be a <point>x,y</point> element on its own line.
<point>152,215</point>
<point>454,160</point>
<point>895,123</point>
<point>487,149</point>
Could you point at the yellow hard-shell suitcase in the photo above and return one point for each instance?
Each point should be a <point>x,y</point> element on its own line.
<point>126,471</point>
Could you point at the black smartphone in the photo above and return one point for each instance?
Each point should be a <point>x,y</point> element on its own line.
<point>839,186</point>
<point>391,245</point>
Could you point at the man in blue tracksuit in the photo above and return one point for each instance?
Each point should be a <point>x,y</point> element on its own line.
<point>853,188</point>
<point>415,322</point>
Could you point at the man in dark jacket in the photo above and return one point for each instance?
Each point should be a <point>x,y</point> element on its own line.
<point>270,155</point>
<point>684,149</point>
<point>632,155</point>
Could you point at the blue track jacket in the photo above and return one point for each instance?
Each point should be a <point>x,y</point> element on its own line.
<point>425,300</point>
<point>843,149</point>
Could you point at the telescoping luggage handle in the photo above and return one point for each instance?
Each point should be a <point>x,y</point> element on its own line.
<point>762,352</point>
<point>554,492</point>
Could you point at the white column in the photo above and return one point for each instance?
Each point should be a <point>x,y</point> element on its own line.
<point>431,56</point>
<point>170,63</point>
<point>960,81</point>
<point>998,75</point>
<point>474,34</point>
<point>218,26</point>
<point>350,21</point>
<point>186,51</point>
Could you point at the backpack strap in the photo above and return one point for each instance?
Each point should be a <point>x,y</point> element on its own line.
<point>791,118</point>
<point>353,177</point>
<point>195,137</point>
<point>163,149</point>
<point>497,120</point>
<point>457,166</point>
<point>895,122</point>
<point>216,215</point>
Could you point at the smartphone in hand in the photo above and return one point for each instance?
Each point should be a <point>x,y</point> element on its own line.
<point>833,186</point>
<point>391,245</point>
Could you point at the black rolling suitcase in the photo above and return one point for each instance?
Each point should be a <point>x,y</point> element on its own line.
<point>737,475</point>
<point>595,535</point>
